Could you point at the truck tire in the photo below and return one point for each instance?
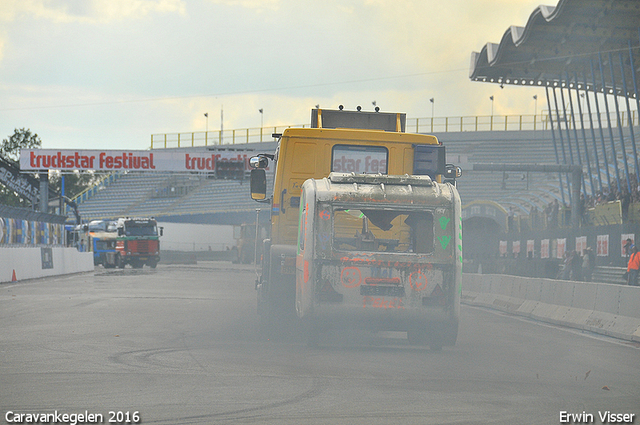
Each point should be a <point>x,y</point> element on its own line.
<point>434,337</point>
<point>435,343</point>
<point>275,324</point>
<point>449,333</point>
<point>312,332</point>
<point>266,325</point>
<point>119,262</point>
<point>244,256</point>
<point>418,336</point>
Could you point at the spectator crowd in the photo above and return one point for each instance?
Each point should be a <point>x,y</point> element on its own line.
<point>578,267</point>
<point>556,215</point>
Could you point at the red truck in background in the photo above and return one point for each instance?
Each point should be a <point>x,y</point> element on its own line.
<point>138,242</point>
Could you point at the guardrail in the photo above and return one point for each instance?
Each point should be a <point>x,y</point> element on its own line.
<point>609,274</point>
<point>596,307</point>
<point>531,122</point>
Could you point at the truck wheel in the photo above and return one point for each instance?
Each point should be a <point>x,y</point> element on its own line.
<point>153,264</point>
<point>270,325</point>
<point>448,334</point>
<point>417,336</point>
<point>265,327</point>
<point>275,323</point>
<point>245,257</point>
<point>312,332</point>
<point>435,343</point>
<point>119,262</point>
<point>444,334</point>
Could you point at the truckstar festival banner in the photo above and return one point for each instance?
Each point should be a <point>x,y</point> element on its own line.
<point>134,160</point>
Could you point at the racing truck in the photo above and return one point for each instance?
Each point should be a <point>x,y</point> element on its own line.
<point>102,242</point>
<point>382,253</point>
<point>103,246</point>
<point>338,141</point>
<point>137,243</point>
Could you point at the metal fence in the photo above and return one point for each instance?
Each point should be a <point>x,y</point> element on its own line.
<point>414,125</point>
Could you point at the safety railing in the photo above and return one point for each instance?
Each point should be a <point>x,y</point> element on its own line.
<point>212,138</point>
<point>413,125</point>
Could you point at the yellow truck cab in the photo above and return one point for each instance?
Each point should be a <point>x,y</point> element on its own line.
<point>381,253</point>
<point>338,141</point>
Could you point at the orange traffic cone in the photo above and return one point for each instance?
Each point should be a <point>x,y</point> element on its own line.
<point>13,278</point>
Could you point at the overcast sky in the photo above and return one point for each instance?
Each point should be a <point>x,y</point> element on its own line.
<point>110,73</point>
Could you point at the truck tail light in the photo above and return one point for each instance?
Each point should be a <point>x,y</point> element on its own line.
<point>437,297</point>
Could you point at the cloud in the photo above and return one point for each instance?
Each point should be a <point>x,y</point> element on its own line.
<point>251,4</point>
<point>119,9</point>
<point>94,11</point>
<point>115,71</point>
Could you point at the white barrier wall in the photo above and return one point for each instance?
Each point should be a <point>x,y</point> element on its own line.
<point>598,307</point>
<point>196,237</point>
<point>31,263</point>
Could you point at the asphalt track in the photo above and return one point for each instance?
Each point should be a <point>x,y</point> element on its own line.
<point>179,345</point>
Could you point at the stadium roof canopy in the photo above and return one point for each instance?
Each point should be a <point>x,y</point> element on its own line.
<point>563,44</point>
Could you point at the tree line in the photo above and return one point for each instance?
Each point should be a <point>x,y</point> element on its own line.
<point>74,183</point>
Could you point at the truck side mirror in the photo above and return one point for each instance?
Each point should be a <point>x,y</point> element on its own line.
<point>258,184</point>
<point>452,172</point>
<point>258,162</point>
<point>161,231</point>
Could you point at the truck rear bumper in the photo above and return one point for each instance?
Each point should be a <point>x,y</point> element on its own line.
<point>141,257</point>
<point>382,314</point>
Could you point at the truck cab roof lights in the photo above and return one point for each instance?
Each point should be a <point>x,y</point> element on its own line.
<point>380,178</point>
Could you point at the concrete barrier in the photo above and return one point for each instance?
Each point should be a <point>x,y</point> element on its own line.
<point>178,257</point>
<point>598,307</point>
<point>31,263</point>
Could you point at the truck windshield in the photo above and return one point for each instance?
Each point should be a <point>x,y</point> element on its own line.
<point>359,159</point>
<point>139,229</point>
<point>383,230</point>
<point>104,245</point>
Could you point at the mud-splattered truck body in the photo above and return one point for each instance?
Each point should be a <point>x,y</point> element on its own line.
<point>338,141</point>
<point>380,252</point>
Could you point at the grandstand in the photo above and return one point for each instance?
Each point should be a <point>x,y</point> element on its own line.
<point>518,189</point>
<point>196,198</point>
<point>584,54</point>
<point>192,198</point>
